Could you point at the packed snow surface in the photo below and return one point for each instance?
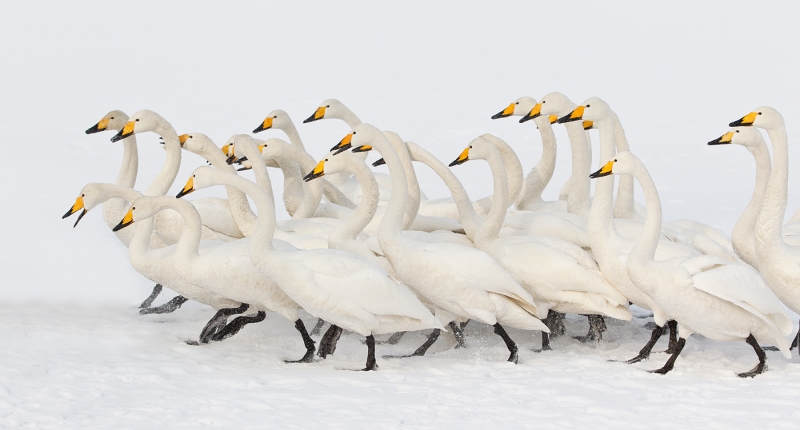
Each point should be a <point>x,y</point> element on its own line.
<point>76,354</point>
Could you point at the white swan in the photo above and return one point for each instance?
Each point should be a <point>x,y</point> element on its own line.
<point>459,281</point>
<point>743,234</point>
<point>706,295</point>
<point>345,289</point>
<point>777,261</point>
<point>558,274</point>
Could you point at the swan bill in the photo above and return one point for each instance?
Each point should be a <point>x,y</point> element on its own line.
<point>226,149</point>
<point>102,125</point>
<point>463,158</point>
<point>508,111</point>
<point>745,121</point>
<point>318,114</point>
<point>83,212</point>
<point>722,140</point>
<point>265,125</point>
<point>126,221</point>
<point>187,189</point>
<point>231,159</point>
<point>379,162</point>
<point>534,113</point>
<point>588,125</point>
<point>343,145</point>
<point>575,115</point>
<point>125,132</point>
<point>318,172</point>
<point>75,207</point>
<point>362,148</point>
<point>182,139</point>
<point>606,170</point>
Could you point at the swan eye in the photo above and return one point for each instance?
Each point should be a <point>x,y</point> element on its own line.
<point>470,146</point>
<point>276,116</point>
<point>133,208</point>
<point>354,132</point>
<point>326,159</point>
<point>83,195</point>
<point>516,103</point>
<point>615,160</point>
<point>111,117</point>
<point>190,137</point>
<point>759,113</point>
<point>327,106</point>
<point>544,101</point>
<point>588,105</point>
<point>137,119</point>
<point>737,131</point>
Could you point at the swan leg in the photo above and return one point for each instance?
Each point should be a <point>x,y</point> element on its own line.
<point>458,334</point>
<point>218,321</point>
<point>556,325</point>
<point>463,325</point>
<point>327,345</point>
<point>671,361</point>
<point>644,354</point>
<point>545,343</point>
<point>422,349</point>
<point>597,325</point>
<point>510,344</point>
<point>149,300</point>
<point>166,308</point>
<point>307,341</point>
<point>673,336</point>
<point>371,363</point>
<point>550,321</point>
<point>237,324</point>
<point>318,327</point>
<point>762,359</point>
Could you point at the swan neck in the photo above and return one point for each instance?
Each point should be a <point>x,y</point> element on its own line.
<point>580,146</point>
<point>770,220</point>
<point>540,175</point>
<point>600,214</point>
<point>624,205</point>
<point>172,164</point>
<point>392,221</point>
<point>744,229</point>
<point>312,191</point>
<point>497,213</point>
<point>130,163</point>
<point>645,248</point>
<point>293,135</point>
<point>355,222</point>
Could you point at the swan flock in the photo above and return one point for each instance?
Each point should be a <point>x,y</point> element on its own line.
<point>371,254</point>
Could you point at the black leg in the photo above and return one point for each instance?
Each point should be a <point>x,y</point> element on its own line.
<point>597,326</point>
<point>644,354</point>
<point>166,308</point>
<point>237,324</point>
<point>762,359</point>
<point>149,300</point>
<point>545,343</point>
<point>218,321</point>
<point>307,341</point>
<point>461,341</point>
<point>395,338</point>
<point>327,345</point>
<point>671,361</point>
<point>317,327</point>
<point>550,323</point>
<point>673,336</point>
<point>512,347</point>
<point>422,349</point>
<point>371,363</point>
<point>463,325</point>
<point>558,328</point>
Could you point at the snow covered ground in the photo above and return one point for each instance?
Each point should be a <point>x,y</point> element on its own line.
<point>77,355</point>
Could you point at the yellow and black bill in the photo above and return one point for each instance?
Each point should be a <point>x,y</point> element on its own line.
<point>508,111</point>
<point>75,208</point>
<point>722,140</point>
<point>265,125</point>
<point>604,171</point>
<point>101,125</point>
<point>588,125</point>
<point>317,172</point>
<point>575,115</point>
<point>125,132</point>
<point>463,158</point>
<point>187,189</point>
<point>379,162</point>
<point>343,144</point>
<point>745,121</point>
<point>126,221</point>
<point>318,114</point>
<point>362,148</point>
<point>534,113</point>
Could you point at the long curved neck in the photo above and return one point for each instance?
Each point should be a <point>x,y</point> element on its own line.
<point>392,222</point>
<point>130,163</point>
<point>353,224</point>
<point>494,219</point>
<point>261,194</point>
<point>293,135</point>
<point>189,242</point>
<point>512,165</point>
<point>623,206</point>
<point>744,229</point>
<point>241,212</point>
<point>540,175</point>
<point>412,204</point>
<point>645,248</point>
<point>349,117</point>
<point>601,210</point>
<point>312,191</point>
<point>578,199</point>
<point>172,164</point>
<point>469,219</point>
<point>770,220</point>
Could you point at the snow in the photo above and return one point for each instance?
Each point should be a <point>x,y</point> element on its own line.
<point>75,352</point>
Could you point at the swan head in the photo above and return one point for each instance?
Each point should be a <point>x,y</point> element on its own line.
<point>113,120</point>
<point>198,143</point>
<point>624,163</point>
<point>277,119</point>
<point>762,117</point>
<point>330,108</point>
<point>553,105</point>
<point>91,196</point>
<point>478,149</point>
<point>202,177</point>
<point>362,135</point>
<point>593,109</point>
<point>145,207</point>
<point>748,137</point>
<point>518,107</point>
<point>140,122</point>
<point>273,148</point>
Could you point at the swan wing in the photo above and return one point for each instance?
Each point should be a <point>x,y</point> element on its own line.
<point>216,215</point>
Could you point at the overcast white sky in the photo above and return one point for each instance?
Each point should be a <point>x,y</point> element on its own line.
<point>676,73</point>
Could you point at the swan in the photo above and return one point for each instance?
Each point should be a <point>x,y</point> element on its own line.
<point>559,275</point>
<point>280,120</point>
<point>347,290</point>
<point>157,264</point>
<point>742,236</point>
<point>459,281</point>
<point>707,295</point>
<point>777,260</point>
